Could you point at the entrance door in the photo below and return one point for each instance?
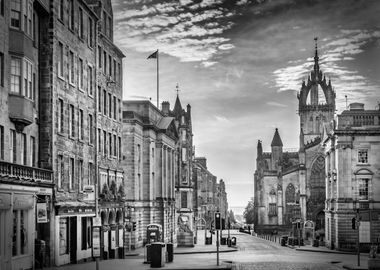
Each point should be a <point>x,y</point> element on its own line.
<point>73,239</point>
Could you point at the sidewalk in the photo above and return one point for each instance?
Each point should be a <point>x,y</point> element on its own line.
<point>135,260</point>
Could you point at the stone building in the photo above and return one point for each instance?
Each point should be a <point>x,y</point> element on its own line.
<point>108,119</point>
<point>206,191</point>
<point>150,158</point>
<point>184,185</point>
<point>352,147</point>
<point>221,201</point>
<point>289,186</point>
<point>26,185</point>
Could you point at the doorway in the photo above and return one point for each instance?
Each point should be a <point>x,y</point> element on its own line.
<point>73,239</point>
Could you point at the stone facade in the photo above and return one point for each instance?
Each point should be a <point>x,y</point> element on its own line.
<point>26,188</point>
<point>150,158</point>
<point>289,186</point>
<point>352,146</point>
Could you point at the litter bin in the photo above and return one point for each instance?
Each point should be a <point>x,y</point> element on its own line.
<point>223,240</point>
<point>208,240</point>
<point>169,250</point>
<point>157,254</point>
<point>233,241</point>
<point>147,257</point>
<point>283,241</point>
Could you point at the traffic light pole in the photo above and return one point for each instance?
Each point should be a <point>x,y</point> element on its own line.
<point>217,247</point>
<point>357,235</point>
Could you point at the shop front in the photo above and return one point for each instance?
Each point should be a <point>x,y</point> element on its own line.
<point>73,233</point>
<point>22,211</point>
<point>112,236</point>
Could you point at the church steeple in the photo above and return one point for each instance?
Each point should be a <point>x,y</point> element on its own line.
<point>177,106</point>
<point>316,58</point>
<point>276,139</point>
<point>259,149</point>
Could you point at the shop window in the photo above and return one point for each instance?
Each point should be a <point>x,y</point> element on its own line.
<point>19,232</point>
<point>63,236</point>
<point>86,233</point>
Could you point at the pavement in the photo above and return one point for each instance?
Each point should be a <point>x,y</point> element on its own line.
<point>135,259</point>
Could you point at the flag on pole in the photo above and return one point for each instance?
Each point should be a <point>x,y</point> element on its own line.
<point>153,55</point>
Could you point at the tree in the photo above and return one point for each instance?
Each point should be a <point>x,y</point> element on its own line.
<point>249,212</point>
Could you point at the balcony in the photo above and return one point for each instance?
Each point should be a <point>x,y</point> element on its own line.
<point>20,111</point>
<point>20,43</point>
<point>25,173</point>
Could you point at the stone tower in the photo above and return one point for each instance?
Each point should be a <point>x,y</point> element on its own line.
<point>312,112</point>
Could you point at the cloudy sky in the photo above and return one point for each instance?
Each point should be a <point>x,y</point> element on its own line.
<point>240,63</point>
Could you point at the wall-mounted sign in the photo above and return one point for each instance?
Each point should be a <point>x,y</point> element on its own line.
<point>121,242</point>
<point>96,221</point>
<point>42,213</point>
<point>113,239</point>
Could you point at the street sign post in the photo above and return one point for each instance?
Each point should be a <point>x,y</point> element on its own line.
<point>217,228</point>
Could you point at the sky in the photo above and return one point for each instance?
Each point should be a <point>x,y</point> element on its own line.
<point>240,64</point>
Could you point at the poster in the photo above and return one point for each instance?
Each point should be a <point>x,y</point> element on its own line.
<point>121,244</point>
<point>41,213</point>
<point>96,242</point>
<point>113,239</point>
<point>63,236</point>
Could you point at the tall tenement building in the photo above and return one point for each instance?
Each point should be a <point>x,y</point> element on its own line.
<point>60,100</point>
<point>352,147</point>
<point>289,186</point>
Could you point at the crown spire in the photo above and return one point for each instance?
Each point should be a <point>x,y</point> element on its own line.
<point>316,58</point>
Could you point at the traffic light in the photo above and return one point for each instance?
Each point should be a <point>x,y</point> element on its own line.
<point>133,226</point>
<point>217,221</point>
<point>354,223</point>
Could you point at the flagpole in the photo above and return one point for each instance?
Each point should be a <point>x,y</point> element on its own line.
<point>158,97</point>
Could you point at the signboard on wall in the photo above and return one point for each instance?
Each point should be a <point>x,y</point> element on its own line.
<point>42,216</point>
<point>121,244</point>
<point>96,242</point>
<point>113,239</point>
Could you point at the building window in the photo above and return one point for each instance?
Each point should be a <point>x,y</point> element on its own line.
<point>23,149</point>
<point>80,73</point>
<point>2,7</point>
<point>363,156</point>
<point>90,32</point>
<point>114,70</point>
<point>91,129</point>
<point>15,75</point>
<point>16,14</point>
<point>104,102</point>
<point>1,142</point>
<point>110,144</point>
<point>110,105</point>
<point>99,99</point>
<point>99,140</point>
<point>72,121</point>
<point>119,106</point>
<point>1,69</point>
<point>80,125</point>
<point>90,173</point>
<point>272,209</point>
<point>13,146</point>
<point>81,23</point>
<point>114,108</point>
<point>72,174</point>
<point>120,148</point>
<point>104,142</point>
<point>60,59</point>
<point>60,169</point>
<point>71,14</point>
<point>32,151</point>
<point>183,199</point>
<point>109,27</point>
<point>110,65</point>
<point>114,146</point>
<point>61,116</point>
<point>28,79</point>
<point>61,10</point>
<point>99,57</point>
<point>363,186</point>
<point>90,82</point>
<point>20,232</point>
<point>104,22</point>
<point>105,62</point>
<point>119,72</point>
<point>71,67</point>
<point>86,233</point>
<point>80,174</point>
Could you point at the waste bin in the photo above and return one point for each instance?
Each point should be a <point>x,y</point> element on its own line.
<point>169,250</point>
<point>208,240</point>
<point>283,241</point>
<point>290,241</point>
<point>157,254</point>
<point>147,257</point>
<point>223,240</point>
<point>233,241</point>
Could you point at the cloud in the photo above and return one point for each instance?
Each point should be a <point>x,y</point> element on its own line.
<point>276,104</point>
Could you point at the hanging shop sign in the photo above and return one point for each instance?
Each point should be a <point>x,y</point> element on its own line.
<point>42,216</point>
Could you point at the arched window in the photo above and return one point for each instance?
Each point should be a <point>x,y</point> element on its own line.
<point>272,211</point>
<point>290,194</point>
